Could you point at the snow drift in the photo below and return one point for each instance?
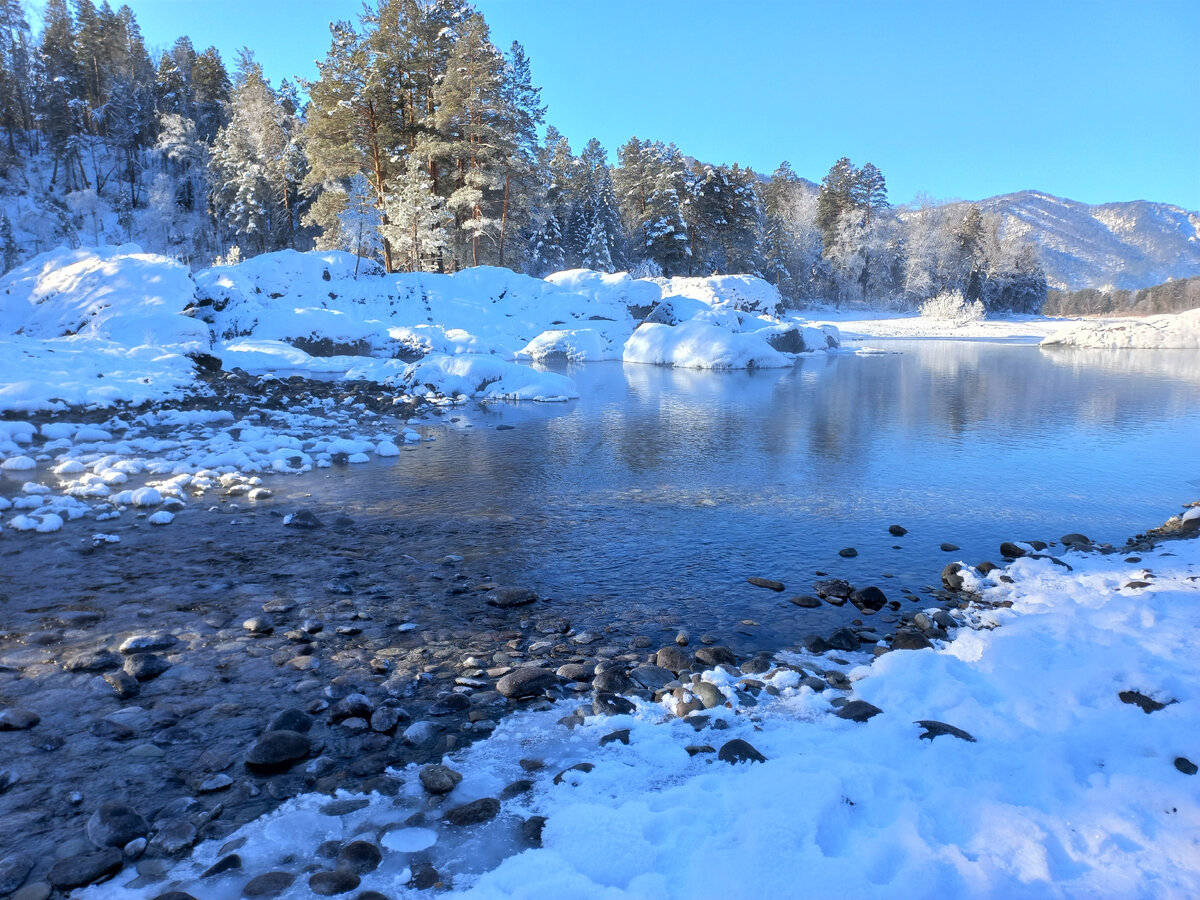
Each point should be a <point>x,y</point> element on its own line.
<point>1180,331</point>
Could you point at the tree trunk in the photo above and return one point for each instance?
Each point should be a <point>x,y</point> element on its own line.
<point>504,211</point>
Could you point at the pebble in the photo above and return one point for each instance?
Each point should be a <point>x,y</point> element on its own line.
<point>268,884</point>
<point>331,883</point>
<point>359,857</point>
<point>439,779</point>
<point>473,813</point>
<point>278,749</point>
<point>16,719</point>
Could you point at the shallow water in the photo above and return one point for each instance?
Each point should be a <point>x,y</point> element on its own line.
<point>660,491</point>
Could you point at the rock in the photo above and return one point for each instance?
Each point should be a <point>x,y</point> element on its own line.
<point>144,666</point>
<point>278,750</point>
<point>609,704</point>
<point>420,733</point>
<point>682,639</point>
<point>847,552</point>
<point>1142,702</point>
<point>621,736</point>
<point>1185,765</point>
<point>674,659</point>
<point>516,789</point>
<point>259,625</point>
<point>85,868</point>
<point>169,895</point>
<point>123,684</point>
<point>14,870</point>
<point>352,706</point>
<point>227,863</point>
<point>473,813</point>
<point>148,643</point>
<point>951,577</point>
<point>93,661</point>
<point>805,602</point>
<point>1010,550</point>
<point>385,719</point>
<point>651,677</point>
<point>947,547</point>
<point>268,884</point>
<point>737,751</point>
<point>858,711</point>
<point>439,779</point>
<point>16,719</point>
<point>816,644</point>
<point>897,530</point>
<point>291,720</point>
<point>871,598</point>
<point>305,518</point>
<point>709,694</point>
<point>329,884</point>
<point>907,639</point>
<point>934,729</point>
<point>526,682</point>
<point>531,830</point>
<point>424,876</point>
<point>612,681</point>
<point>509,597</point>
<point>584,767</point>
<point>1076,541</point>
<point>843,639</point>
<point>716,656</point>
<point>833,587</point>
<point>360,857</point>
<point>766,583</point>
<point>115,825</point>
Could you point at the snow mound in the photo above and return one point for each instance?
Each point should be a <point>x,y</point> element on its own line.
<point>620,288</point>
<point>699,345</point>
<point>745,293</point>
<point>1172,332</point>
<point>118,294</point>
<point>484,377</point>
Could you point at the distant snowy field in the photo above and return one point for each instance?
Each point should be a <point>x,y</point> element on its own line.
<point>1065,791</point>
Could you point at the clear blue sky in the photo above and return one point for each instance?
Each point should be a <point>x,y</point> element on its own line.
<point>1096,101</point>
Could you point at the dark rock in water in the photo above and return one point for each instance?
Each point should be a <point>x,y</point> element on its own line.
<point>986,568</point>
<point>329,884</point>
<point>716,656</point>
<point>1076,541</point>
<point>609,704</point>
<point>847,552</point>
<point>612,681</point>
<point>805,602</point>
<point>269,884</point>
<point>13,871</point>
<point>613,737</point>
<point>526,682</point>
<point>674,659</point>
<point>439,779</point>
<point>93,661</point>
<point>897,530</point>
<point>473,813</point>
<point>450,704</point>
<point>949,548</point>
<point>1142,702</point>
<point>278,749</point>
<point>16,719</point>
<point>149,643</point>
<point>291,720</point>
<point>508,597</point>
<point>869,598</point>
<point>109,730</point>
<point>934,729</point>
<point>144,666</point>
<point>814,643</point>
<point>1038,545</point>
<point>344,807</point>
<point>652,677</point>
<point>305,518</point>
<point>833,587</point>
<point>584,767</point>
<point>85,868</point>
<point>123,684</point>
<point>766,583</point>
<point>1010,550</point>
<point>360,857</point>
<point>1185,765</point>
<point>371,895</point>
<point>858,711</point>
<point>951,577</point>
<point>228,863</point>
<point>531,830</point>
<point>759,663</point>
<point>175,835</point>
<point>169,895</point>
<point>737,751</point>
<point>115,825</point>
<point>424,876</point>
<point>843,639</point>
<point>907,639</point>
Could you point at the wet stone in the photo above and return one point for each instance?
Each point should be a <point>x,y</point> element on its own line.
<point>621,736</point>
<point>291,720</point>
<point>330,884</point>
<point>843,639</point>
<point>737,751</point>
<point>228,863</point>
<point>509,597</point>
<point>805,602</point>
<point>424,876</point>
<point>144,666</point>
<point>847,552</point>
<point>674,659</point>
<point>93,661</point>
<point>766,583</point>
<point>907,639</point>
<point>897,530</point>
<point>16,719</point>
<point>526,682</point>
<point>531,830</point>
<point>1185,765</point>
<point>14,870</point>
<point>612,681</point>
<point>450,704</point>
<point>359,857</point>
<point>269,884</point>
<point>709,694</point>
<point>278,749</point>
<point>115,825</point>
<point>473,813</point>
<point>439,779</point>
<point>259,625</point>
<point>609,704</point>
<point>85,868</point>
<point>716,656</point>
<point>858,711</point>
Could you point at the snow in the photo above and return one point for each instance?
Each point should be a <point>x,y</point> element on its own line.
<point>1066,791</point>
<point>697,345</point>
<point>485,377</point>
<point>1170,332</point>
<point>856,324</point>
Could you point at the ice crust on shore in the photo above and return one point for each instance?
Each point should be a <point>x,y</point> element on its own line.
<point>1066,791</point>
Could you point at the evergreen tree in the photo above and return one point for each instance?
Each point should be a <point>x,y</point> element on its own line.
<point>210,87</point>
<point>15,86</point>
<point>8,244</point>
<point>835,198</point>
<point>869,192</point>
<point>546,254</point>
<point>520,113</point>
<point>417,220</point>
<point>360,220</point>
<point>58,82</point>
<point>648,182</point>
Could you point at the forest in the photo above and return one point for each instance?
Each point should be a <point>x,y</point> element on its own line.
<point>1174,296</point>
<point>424,146</point>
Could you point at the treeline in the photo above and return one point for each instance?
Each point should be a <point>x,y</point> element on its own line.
<point>1172,297</point>
<point>421,144</point>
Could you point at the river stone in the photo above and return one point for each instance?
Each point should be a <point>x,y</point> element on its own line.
<point>871,598</point>
<point>424,876</point>
<point>833,587</point>
<point>259,625</point>
<point>16,719</point>
<point>278,749</point>
<point>352,706</point>
<point>420,733</point>
<point>933,729</point>
<point>14,869</point>
<point>614,736</point>
<point>225,864</point>
<point>652,677</point>
<point>144,666</point>
<point>1185,765</point>
<point>169,895</point>
<point>175,835</point>
<point>709,694</point>
<point>858,711</point>
<point>473,813</point>
<point>148,643</point>
<point>737,751</point>
<point>439,779</point>
<point>93,661</point>
<point>805,602</point>
<point>584,767</point>
<point>986,568</point>
<point>509,597</point>
<point>1011,550</point>
<point>897,530</point>
<point>531,830</point>
<point>716,656</point>
<point>609,704</point>
<point>359,857</point>
<point>268,884</point>
<point>947,547</point>
<point>305,518</point>
<point>85,868</point>
<point>123,684</point>
<point>843,639</point>
<point>951,577</point>
<point>526,682</point>
<point>613,681</point>
<point>674,659</point>
<point>450,704</point>
<point>115,825</point>
<point>1076,541</point>
<point>329,884</point>
<point>907,639</point>
<point>385,719</point>
<point>766,583</point>
<point>291,720</point>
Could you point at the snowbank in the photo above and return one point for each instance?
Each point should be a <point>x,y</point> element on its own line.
<point>1172,332</point>
<point>699,345</point>
<point>744,293</point>
<point>119,294</point>
<point>484,377</point>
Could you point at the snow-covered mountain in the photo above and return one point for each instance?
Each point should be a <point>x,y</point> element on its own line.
<point>1112,245</point>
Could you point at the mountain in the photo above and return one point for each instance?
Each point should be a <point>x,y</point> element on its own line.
<point>1112,245</point>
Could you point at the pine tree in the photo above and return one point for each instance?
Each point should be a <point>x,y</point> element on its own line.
<point>417,220</point>
<point>57,89</point>
<point>546,254</point>
<point>360,220</point>
<point>835,198</point>
<point>869,192</point>
<point>210,87</point>
<point>520,113</point>
<point>648,182</point>
<point>15,86</point>
<point>8,243</point>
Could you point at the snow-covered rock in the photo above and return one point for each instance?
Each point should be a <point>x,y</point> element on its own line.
<point>697,345</point>
<point>1180,331</point>
<point>745,293</point>
<point>485,377</point>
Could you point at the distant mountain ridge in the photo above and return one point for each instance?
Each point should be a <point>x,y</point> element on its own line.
<point>1126,246</point>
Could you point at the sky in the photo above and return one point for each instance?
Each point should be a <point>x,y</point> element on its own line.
<point>1096,101</point>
